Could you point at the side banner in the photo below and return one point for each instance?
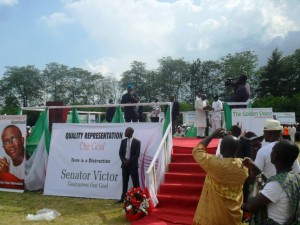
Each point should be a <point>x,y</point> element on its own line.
<point>285,117</point>
<point>12,153</point>
<point>251,119</point>
<point>84,158</point>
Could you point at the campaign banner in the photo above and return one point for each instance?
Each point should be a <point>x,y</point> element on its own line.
<point>251,119</point>
<point>12,153</point>
<point>84,158</point>
<point>285,117</point>
<point>188,117</point>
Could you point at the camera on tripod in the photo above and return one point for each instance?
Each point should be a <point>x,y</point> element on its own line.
<point>232,82</point>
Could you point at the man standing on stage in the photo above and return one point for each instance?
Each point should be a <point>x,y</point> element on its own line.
<point>130,112</point>
<point>217,107</point>
<point>200,115</point>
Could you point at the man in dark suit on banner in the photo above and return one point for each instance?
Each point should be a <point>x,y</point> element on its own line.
<point>129,154</point>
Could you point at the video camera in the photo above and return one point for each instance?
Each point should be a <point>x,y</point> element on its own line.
<point>232,82</point>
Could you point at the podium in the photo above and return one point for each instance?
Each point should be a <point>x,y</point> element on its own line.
<point>227,106</point>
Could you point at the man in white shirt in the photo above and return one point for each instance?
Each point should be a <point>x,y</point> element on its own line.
<point>200,116</point>
<point>292,132</point>
<point>272,134</point>
<point>217,107</point>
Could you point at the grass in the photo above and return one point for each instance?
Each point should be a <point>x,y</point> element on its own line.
<point>15,207</point>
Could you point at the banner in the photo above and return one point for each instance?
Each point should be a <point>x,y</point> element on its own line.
<point>285,117</point>
<point>251,119</point>
<point>84,158</point>
<point>12,153</point>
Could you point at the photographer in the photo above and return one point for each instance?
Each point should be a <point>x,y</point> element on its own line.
<point>241,89</point>
<point>130,112</point>
<point>223,186</point>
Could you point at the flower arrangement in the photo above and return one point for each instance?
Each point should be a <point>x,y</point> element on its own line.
<point>137,203</point>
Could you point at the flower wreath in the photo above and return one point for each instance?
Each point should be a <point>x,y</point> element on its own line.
<point>137,203</point>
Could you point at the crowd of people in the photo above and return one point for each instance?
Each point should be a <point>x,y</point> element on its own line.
<point>248,177</point>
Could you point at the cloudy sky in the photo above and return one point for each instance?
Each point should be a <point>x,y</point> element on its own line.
<point>107,35</point>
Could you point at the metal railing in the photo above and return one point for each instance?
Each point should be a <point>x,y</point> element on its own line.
<point>159,165</point>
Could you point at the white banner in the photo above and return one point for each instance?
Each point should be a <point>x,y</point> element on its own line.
<point>251,119</point>
<point>12,152</point>
<point>84,158</point>
<point>188,117</point>
<point>285,117</point>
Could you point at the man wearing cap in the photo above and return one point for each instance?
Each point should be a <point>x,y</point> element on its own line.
<point>217,107</point>
<point>272,134</point>
<point>130,112</point>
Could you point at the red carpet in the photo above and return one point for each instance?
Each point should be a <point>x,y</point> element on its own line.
<point>178,196</point>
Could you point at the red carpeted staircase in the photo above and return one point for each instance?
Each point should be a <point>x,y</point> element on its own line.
<point>178,196</point>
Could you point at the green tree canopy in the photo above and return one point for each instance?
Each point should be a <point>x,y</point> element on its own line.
<point>23,83</point>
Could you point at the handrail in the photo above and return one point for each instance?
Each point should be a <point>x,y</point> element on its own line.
<point>154,177</point>
<point>95,106</point>
<point>159,149</point>
<point>239,103</point>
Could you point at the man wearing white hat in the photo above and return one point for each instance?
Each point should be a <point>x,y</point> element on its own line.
<point>272,134</point>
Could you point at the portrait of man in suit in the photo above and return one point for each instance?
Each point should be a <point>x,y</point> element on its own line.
<point>129,154</point>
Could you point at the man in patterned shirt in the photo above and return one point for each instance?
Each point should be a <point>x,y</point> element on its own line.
<point>222,193</point>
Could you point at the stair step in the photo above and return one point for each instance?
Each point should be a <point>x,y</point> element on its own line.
<point>180,189</point>
<point>184,178</point>
<point>185,167</point>
<point>184,158</point>
<point>189,150</point>
<point>178,202</point>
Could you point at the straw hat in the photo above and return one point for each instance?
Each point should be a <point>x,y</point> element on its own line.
<point>271,125</point>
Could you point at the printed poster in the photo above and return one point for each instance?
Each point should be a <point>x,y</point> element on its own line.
<point>251,119</point>
<point>12,153</point>
<point>84,158</point>
<point>285,117</point>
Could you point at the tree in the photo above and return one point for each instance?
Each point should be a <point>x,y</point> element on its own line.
<point>232,66</point>
<point>136,76</point>
<point>172,75</point>
<point>271,77</point>
<point>290,77</point>
<point>83,86</point>
<point>152,89</point>
<point>55,76</point>
<point>105,89</point>
<point>11,106</point>
<point>23,83</point>
<point>204,78</point>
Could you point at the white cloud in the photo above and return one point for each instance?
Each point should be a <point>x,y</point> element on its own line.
<point>115,66</point>
<point>56,19</point>
<point>146,30</point>
<point>8,2</point>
